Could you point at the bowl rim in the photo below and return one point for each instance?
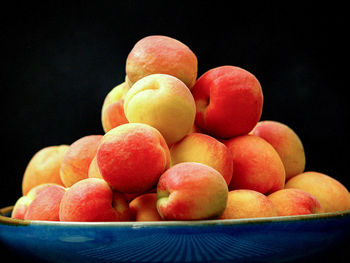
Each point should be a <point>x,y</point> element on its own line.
<point>6,220</point>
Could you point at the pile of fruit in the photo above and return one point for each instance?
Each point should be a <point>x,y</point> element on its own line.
<point>178,147</point>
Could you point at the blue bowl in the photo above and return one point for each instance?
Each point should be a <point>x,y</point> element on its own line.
<point>248,240</point>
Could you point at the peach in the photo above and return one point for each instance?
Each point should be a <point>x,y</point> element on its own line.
<point>76,162</point>
<point>127,80</point>
<point>229,101</point>
<point>256,165</point>
<point>20,207</point>
<point>112,114</point>
<point>46,204</point>
<point>44,167</point>
<point>164,102</point>
<point>291,201</point>
<point>40,203</point>
<point>144,208</point>
<point>132,157</point>
<point>22,204</point>
<point>129,197</point>
<point>286,142</point>
<point>194,129</point>
<point>94,171</point>
<point>93,200</point>
<point>191,191</point>
<point>332,195</point>
<point>244,203</point>
<point>202,148</point>
<point>162,54</point>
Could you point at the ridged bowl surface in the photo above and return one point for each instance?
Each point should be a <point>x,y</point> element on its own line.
<point>243,240</point>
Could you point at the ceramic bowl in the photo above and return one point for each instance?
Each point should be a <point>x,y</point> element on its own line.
<point>248,240</point>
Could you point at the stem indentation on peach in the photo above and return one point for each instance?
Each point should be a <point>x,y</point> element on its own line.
<point>162,197</point>
<point>202,105</point>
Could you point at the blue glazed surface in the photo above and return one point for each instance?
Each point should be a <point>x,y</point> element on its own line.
<point>255,240</point>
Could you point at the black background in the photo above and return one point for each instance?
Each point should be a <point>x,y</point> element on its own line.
<point>58,62</point>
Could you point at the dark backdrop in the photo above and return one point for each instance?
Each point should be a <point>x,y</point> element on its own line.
<point>59,61</point>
